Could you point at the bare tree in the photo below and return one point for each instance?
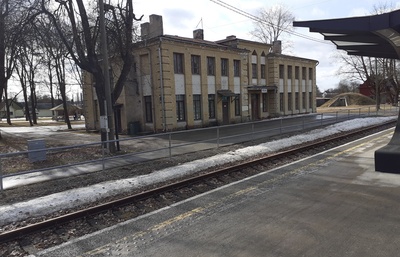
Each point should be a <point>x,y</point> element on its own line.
<point>380,73</point>
<point>14,15</point>
<point>82,43</point>
<point>57,55</point>
<point>274,22</point>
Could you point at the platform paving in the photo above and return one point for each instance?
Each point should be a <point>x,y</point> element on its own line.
<point>332,204</point>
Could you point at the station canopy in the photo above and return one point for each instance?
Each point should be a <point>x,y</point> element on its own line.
<point>373,36</point>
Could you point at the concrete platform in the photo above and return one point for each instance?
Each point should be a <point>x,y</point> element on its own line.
<point>332,204</point>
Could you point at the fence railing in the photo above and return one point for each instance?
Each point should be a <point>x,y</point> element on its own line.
<point>76,159</point>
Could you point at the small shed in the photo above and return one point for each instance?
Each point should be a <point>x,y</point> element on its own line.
<point>15,109</point>
<point>73,110</point>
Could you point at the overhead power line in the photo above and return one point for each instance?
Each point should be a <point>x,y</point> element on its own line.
<point>258,19</point>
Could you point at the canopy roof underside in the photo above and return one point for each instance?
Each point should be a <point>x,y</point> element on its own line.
<point>374,36</point>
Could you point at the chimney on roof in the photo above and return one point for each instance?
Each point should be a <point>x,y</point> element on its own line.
<point>277,47</point>
<point>198,34</point>
<point>231,37</point>
<point>151,29</point>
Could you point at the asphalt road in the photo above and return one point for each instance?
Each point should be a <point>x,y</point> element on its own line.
<point>332,204</point>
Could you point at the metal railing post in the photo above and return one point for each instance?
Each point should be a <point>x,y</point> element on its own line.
<point>348,114</point>
<point>218,137</point>
<point>170,145</point>
<point>337,116</point>
<point>1,177</point>
<point>280,128</point>
<point>252,131</point>
<point>103,156</point>
<point>304,117</point>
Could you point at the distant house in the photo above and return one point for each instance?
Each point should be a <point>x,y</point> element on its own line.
<point>43,110</point>
<point>73,110</point>
<point>16,110</point>
<point>366,89</point>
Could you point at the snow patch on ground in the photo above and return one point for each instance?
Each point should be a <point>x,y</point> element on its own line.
<point>72,198</point>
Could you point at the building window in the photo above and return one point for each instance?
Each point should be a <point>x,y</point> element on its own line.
<point>281,102</point>
<point>236,68</point>
<point>289,101</point>
<point>211,106</point>
<point>148,109</point>
<point>281,71</point>
<point>304,73</point>
<point>197,107</point>
<point>303,96</point>
<point>195,64</point>
<point>237,105</point>
<point>297,72</point>
<point>310,73</point>
<point>180,107</point>
<point>289,72</point>
<point>265,102</point>
<point>224,67</point>
<point>178,63</point>
<point>296,101</point>
<point>211,66</point>
<point>254,70</point>
<point>263,71</point>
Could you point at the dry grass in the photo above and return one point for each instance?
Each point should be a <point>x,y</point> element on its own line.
<point>352,99</point>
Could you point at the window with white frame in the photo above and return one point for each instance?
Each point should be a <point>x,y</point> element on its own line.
<point>195,64</point>
<point>197,107</point>
<point>224,67</point>
<point>180,108</point>
<point>211,106</point>
<point>178,63</point>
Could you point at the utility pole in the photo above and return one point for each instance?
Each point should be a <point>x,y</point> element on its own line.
<point>108,100</point>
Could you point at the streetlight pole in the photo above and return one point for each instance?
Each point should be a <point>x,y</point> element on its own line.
<point>107,87</point>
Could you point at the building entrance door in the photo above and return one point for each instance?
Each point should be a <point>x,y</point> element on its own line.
<point>225,111</point>
<point>255,106</point>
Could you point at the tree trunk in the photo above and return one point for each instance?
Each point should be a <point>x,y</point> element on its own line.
<point>7,104</point>
<point>3,77</point>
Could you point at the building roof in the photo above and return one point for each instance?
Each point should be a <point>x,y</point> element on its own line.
<point>11,102</point>
<point>374,36</point>
<point>290,57</point>
<point>193,41</point>
<point>234,38</point>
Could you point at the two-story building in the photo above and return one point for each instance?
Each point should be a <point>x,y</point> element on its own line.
<point>182,83</point>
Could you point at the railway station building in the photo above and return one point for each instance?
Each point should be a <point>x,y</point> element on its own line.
<point>183,83</point>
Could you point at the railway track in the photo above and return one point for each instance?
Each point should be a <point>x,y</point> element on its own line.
<point>31,238</point>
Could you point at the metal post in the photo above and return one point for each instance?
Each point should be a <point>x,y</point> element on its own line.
<point>304,117</point>
<point>217,137</point>
<point>170,145</point>
<point>322,116</point>
<point>252,132</point>
<point>348,114</point>
<point>337,116</point>
<point>280,128</point>
<point>103,162</point>
<point>106,72</point>
<point>1,177</point>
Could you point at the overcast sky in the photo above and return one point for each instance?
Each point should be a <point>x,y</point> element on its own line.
<point>182,17</point>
